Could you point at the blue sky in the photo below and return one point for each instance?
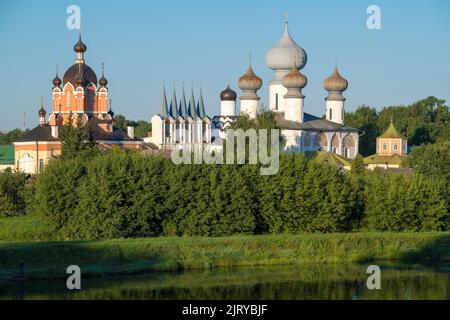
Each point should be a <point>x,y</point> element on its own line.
<point>144,43</point>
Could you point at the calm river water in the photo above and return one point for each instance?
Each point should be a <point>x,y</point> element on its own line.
<point>299,282</point>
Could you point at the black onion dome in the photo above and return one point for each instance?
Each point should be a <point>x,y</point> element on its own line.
<point>103,82</point>
<point>72,73</point>
<point>42,112</point>
<point>111,113</point>
<point>228,95</point>
<point>57,81</point>
<point>79,46</point>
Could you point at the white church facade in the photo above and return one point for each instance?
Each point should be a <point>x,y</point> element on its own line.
<point>187,122</point>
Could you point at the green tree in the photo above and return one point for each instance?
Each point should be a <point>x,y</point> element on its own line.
<point>11,136</point>
<point>365,118</point>
<point>358,165</point>
<point>385,206</point>
<point>77,141</point>
<point>120,122</point>
<point>428,199</point>
<point>432,160</point>
<point>422,122</point>
<point>13,187</point>
<point>142,129</point>
<point>56,194</point>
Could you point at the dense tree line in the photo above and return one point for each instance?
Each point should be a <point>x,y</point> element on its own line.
<point>423,122</point>
<point>142,127</point>
<point>87,193</point>
<point>123,194</point>
<point>10,136</point>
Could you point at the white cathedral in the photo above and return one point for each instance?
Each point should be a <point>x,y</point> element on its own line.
<point>187,122</point>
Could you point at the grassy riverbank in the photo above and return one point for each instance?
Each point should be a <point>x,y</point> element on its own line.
<point>123,256</point>
<point>24,228</point>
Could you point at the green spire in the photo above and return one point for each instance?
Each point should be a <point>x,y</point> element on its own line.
<point>392,132</point>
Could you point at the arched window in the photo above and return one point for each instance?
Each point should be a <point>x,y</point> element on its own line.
<point>335,144</point>
<point>91,100</point>
<point>321,142</point>
<point>177,132</point>
<point>331,114</point>
<point>276,101</point>
<point>307,140</point>
<point>187,138</point>
<point>204,131</point>
<point>68,96</point>
<point>350,147</point>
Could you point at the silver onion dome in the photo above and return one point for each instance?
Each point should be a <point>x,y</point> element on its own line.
<point>286,53</point>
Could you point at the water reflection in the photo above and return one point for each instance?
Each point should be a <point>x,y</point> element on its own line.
<point>299,282</point>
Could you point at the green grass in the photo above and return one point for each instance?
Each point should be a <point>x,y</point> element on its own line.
<point>126,256</point>
<point>23,228</point>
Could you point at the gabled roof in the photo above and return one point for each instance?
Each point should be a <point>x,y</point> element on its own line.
<point>378,159</point>
<point>39,133</point>
<point>102,135</point>
<point>43,133</point>
<point>329,158</point>
<point>7,155</point>
<point>392,133</point>
<point>311,123</point>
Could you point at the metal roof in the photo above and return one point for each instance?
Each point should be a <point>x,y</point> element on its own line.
<point>311,123</point>
<point>7,155</point>
<point>43,133</point>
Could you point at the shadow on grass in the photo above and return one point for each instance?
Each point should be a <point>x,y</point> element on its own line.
<point>49,260</point>
<point>436,251</point>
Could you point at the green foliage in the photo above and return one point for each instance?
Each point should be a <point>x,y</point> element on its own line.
<point>122,194</point>
<point>423,122</point>
<point>77,141</point>
<point>365,118</point>
<point>13,186</point>
<point>405,203</point>
<point>432,160</point>
<point>120,122</point>
<point>141,127</point>
<point>264,120</point>
<point>308,197</point>
<point>24,228</point>
<point>358,165</point>
<point>11,136</point>
<point>125,256</point>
